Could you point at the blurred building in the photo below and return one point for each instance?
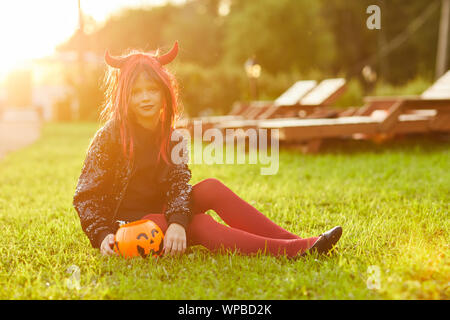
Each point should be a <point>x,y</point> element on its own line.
<point>44,83</point>
<point>18,88</point>
<point>51,76</point>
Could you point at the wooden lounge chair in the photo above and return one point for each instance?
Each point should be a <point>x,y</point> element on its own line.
<point>380,116</point>
<point>253,109</point>
<point>323,95</point>
<point>439,90</point>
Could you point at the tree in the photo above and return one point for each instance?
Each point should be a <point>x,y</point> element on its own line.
<point>283,35</point>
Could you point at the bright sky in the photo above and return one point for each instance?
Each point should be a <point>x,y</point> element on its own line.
<point>32,28</point>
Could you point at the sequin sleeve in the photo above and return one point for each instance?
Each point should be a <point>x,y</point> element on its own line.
<point>92,191</point>
<point>178,196</point>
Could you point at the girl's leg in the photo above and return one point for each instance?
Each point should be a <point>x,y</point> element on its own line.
<point>212,194</point>
<point>204,230</point>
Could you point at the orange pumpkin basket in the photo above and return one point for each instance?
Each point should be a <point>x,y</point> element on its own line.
<point>139,238</point>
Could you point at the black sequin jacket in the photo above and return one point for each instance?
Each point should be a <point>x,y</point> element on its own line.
<point>104,179</point>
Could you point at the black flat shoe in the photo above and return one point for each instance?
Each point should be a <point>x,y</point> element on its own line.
<point>326,241</point>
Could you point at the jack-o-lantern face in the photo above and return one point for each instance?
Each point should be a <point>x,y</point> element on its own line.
<point>139,238</point>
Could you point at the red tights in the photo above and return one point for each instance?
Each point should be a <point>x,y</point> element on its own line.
<point>249,231</point>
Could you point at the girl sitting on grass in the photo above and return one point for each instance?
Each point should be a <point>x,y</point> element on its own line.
<point>128,174</point>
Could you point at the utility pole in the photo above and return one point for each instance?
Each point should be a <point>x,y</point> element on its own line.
<point>441,57</point>
<point>80,39</point>
<point>80,48</point>
<point>384,66</point>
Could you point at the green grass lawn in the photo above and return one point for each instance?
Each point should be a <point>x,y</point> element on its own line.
<point>391,200</point>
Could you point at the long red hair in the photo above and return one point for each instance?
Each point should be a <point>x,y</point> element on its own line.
<point>118,84</point>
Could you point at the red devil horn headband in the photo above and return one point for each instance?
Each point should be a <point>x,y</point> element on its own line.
<point>169,56</point>
<point>164,59</point>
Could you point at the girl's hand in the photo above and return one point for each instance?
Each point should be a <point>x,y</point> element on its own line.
<point>107,245</point>
<point>175,239</point>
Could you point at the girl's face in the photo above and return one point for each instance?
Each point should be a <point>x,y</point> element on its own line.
<point>146,98</point>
